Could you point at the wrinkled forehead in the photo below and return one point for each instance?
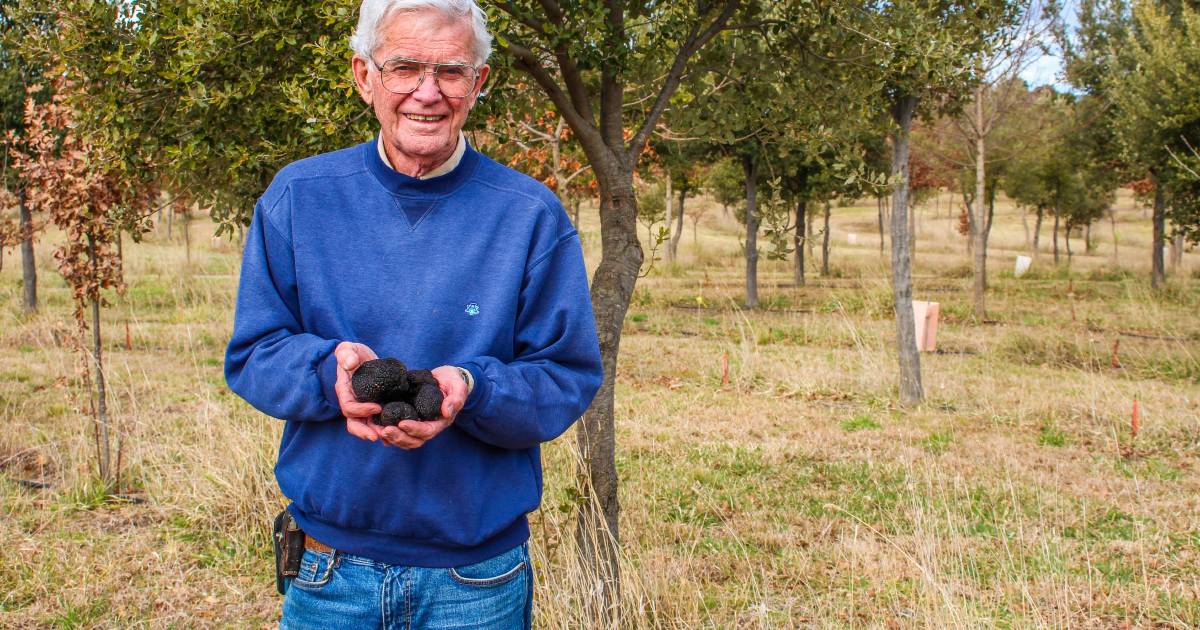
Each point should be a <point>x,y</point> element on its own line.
<point>426,34</point>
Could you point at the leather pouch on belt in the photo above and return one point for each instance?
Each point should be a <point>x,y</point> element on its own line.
<point>288,541</point>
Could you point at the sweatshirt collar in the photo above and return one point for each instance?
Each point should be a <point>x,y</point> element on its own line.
<point>444,168</point>
<point>407,186</point>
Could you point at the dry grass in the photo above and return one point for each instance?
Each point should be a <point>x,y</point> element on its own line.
<point>800,495</point>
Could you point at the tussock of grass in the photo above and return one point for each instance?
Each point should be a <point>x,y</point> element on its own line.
<point>799,494</point>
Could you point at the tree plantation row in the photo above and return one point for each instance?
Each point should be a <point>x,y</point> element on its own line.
<point>117,111</point>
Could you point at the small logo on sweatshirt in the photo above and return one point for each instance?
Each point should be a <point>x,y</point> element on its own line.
<point>472,309</point>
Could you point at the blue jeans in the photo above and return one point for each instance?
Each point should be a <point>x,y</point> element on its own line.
<point>337,590</point>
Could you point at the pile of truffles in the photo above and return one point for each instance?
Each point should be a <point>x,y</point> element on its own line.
<point>404,394</point>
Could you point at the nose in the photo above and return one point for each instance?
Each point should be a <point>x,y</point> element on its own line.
<point>427,91</point>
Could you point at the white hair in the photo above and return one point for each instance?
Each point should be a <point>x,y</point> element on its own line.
<point>372,15</point>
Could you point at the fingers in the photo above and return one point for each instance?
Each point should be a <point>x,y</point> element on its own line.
<point>364,353</point>
<point>393,436</point>
<point>358,415</point>
<point>411,434</point>
<point>423,431</point>
<point>362,429</point>
<point>454,390</point>
<point>347,357</point>
<point>349,404</point>
<point>350,355</point>
<point>451,405</point>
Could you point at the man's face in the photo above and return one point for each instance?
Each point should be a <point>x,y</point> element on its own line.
<point>420,129</point>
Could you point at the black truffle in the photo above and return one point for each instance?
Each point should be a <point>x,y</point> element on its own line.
<point>379,380</point>
<point>428,402</point>
<point>417,378</point>
<point>404,394</point>
<point>394,412</point>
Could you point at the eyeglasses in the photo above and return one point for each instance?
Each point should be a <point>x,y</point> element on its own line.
<point>404,76</point>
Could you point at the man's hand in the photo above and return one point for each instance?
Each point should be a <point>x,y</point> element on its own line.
<point>415,433</point>
<point>349,356</point>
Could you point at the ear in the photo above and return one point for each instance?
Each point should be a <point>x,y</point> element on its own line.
<point>362,78</point>
<point>480,82</point>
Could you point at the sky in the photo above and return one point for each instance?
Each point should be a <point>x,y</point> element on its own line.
<point>1047,68</point>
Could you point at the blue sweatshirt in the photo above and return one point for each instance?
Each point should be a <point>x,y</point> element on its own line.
<point>479,268</point>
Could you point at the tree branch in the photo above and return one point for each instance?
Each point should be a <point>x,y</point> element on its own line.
<point>611,90</point>
<point>693,43</point>
<point>529,21</point>
<point>570,72</point>
<point>528,62</point>
<point>579,171</point>
<point>552,9</point>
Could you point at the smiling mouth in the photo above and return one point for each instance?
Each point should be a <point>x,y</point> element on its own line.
<point>422,118</point>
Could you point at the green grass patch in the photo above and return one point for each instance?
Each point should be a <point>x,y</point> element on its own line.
<point>859,422</point>
<point>938,441</point>
<point>1148,467</point>
<point>1051,350</point>
<point>1050,435</point>
<point>80,616</point>
<point>1109,524</point>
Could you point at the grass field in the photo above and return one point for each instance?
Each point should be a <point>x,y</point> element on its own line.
<point>799,495</point>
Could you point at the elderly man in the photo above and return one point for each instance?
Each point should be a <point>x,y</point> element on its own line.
<point>413,246</point>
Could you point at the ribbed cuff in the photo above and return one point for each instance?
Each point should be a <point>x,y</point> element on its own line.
<point>481,390</point>
<point>327,373</point>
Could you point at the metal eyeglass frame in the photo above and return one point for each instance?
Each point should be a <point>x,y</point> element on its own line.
<point>436,67</point>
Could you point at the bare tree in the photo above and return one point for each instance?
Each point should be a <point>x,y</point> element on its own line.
<point>580,55</point>
<point>995,97</point>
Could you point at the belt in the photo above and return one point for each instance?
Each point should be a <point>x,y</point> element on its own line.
<point>313,544</point>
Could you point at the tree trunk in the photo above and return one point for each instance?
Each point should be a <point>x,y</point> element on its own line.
<point>187,234</point>
<point>825,244</point>
<point>561,193</point>
<point>677,231</point>
<point>879,206</point>
<point>969,205</point>
<point>1025,224</point>
<point>670,217</point>
<point>1170,258</point>
<point>1157,274</point>
<point>121,254</point>
<point>1112,221</point>
<point>1067,242</point>
<point>105,451</point>
<point>979,221</point>
<point>912,230</point>
<point>809,247</point>
<point>801,210</point>
<point>950,209</point>
<point>1056,215</point>
<point>906,335</point>
<point>597,534</point>
<point>991,214</point>
<point>28,262</point>
<point>751,170</point>
<point>1176,251</point>
<point>1037,230</point>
